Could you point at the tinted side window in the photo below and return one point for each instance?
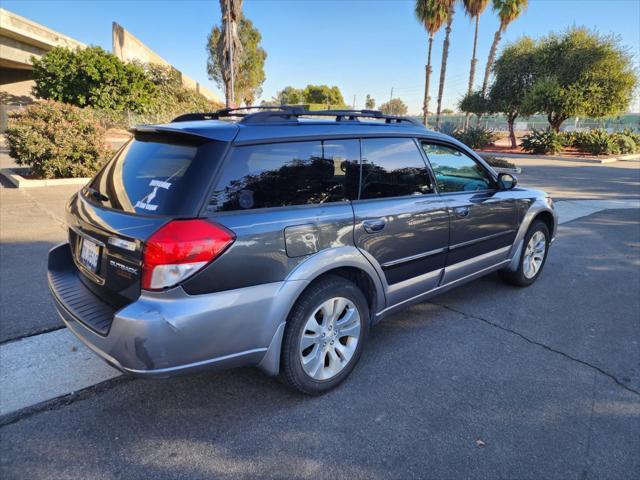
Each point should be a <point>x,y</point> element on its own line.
<point>455,171</point>
<point>392,167</point>
<point>282,174</point>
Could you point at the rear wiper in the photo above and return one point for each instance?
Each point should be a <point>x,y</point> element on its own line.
<point>97,195</point>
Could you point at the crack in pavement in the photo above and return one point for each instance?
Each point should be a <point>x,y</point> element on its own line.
<point>546,347</point>
<point>61,222</point>
<point>64,400</point>
<point>32,333</point>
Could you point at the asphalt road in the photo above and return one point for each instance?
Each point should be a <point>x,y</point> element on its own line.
<point>499,382</point>
<point>487,381</point>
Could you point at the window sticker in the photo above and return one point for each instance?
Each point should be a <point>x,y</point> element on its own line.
<point>145,202</point>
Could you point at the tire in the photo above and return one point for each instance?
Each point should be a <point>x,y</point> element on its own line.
<point>311,344</point>
<point>525,275</point>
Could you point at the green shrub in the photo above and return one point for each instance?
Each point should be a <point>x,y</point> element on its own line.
<point>580,140</point>
<point>626,144</point>
<point>633,134</point>
<point>476,137</point>
<point>448,128</point>
<point>500,163</point>
<point>172,98</point>
<point>57,140</point>
<point>92,77</point>
<point>543,142</point>
<point>599,142</point>
<point>568,138</point>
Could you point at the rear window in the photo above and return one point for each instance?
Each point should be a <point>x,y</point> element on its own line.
<point>157,175</point>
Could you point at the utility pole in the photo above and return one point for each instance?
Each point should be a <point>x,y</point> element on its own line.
<point>354,102</point>
<point>230,95</point>
<point>391,98</point>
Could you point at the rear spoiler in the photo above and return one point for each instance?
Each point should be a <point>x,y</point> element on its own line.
<point>225,135</point>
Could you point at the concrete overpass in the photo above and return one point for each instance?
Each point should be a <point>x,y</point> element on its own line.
<point>21,38</point>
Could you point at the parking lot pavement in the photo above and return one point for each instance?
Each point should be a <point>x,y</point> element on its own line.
<point>31,222</point>
<point>569,179</point>
<point>487,381</point>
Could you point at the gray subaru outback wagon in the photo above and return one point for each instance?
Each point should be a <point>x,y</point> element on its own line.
<point>277,237</point>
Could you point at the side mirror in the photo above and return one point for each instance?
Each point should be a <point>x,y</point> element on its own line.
<point>507,181</point>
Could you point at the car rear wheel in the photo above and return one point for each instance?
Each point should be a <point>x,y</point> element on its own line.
<point>532,258</point>
<point>325,335</point>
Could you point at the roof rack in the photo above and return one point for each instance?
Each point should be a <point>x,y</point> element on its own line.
<point>290,114</point>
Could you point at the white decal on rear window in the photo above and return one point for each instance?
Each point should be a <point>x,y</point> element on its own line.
<point>145,202</point>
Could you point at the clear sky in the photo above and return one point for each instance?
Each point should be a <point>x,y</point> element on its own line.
<point>363,46</point>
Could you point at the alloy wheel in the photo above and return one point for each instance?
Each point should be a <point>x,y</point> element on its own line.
<point>534,255</point>
<point>330,338</point>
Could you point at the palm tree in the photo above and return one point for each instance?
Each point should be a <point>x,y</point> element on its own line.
<point>474,9</point>
<point>508,11</point>
<point>445,54</point>
<point>432,14</point>
<point>229,47</point>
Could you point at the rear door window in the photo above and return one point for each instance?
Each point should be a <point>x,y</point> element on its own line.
<point>157,175</point>
<point>393,167</point>
<point>285,174</point>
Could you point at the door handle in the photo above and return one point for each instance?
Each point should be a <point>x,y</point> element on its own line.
<point>461,212</point>
<point>374,226</point>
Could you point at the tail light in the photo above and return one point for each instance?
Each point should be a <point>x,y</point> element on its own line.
<point>179,249</point>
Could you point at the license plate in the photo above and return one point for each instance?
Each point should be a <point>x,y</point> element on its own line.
<point>89,255</point>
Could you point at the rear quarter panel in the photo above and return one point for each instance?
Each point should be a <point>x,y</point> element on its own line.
<point>259,254</point>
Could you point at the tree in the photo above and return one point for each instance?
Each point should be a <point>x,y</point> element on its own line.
<point>475,103</point>
<point>508,11</point>
<point>92,77</point>
<point>447,111</point>
<point>445,56</point>
<point>249,62</point>
<point>474,9</point>
<point>172,97</point>
<point>432,14</point>
<point>370,102</point>
<point>581,73</point>
<point>395,106</point>
<point>289,96</point>
<point>323,94</point>
<point>514,74</point>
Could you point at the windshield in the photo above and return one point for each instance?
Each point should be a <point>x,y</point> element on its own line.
<point>156,175</point>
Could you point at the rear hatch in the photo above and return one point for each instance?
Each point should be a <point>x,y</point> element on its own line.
<point>156,177</point>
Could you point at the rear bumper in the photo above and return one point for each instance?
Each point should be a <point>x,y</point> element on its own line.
<point>169,333</point>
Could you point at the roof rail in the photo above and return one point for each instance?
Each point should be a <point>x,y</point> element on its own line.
<point>235,112</point>
<point>290,114</point>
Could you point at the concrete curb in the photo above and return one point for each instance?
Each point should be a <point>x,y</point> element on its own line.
<point>631,157</point>
<point>20,182</point>
<point>517,170</point>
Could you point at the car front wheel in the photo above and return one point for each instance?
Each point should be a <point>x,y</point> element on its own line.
<point>532,257</point>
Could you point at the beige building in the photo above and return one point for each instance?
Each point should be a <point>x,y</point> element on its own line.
<point>21,38</point>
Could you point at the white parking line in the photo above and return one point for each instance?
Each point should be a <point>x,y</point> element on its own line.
<point>43,367</point>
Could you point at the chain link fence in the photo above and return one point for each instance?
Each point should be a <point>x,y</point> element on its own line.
<point>498,123</point>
